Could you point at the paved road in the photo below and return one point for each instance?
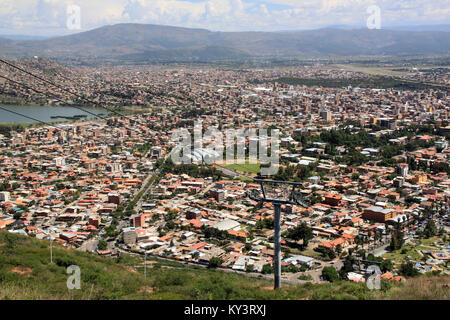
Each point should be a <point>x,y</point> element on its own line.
<point>378,252</point>
<point>143,188</point>
<point>284,277</point>
<point>89,245</point>
<point>212,184</point>
<point>229,172</point>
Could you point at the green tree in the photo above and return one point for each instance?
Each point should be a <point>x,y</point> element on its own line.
<point>301,232</point>
<point>397,240</point>
<point>267,269</point>
<point>348,266</point>
<point>195,255</point>
<point>249,268</point>
<point>102,245</point>
<point>407,269</point>
<point>430,229</point>
<point>330,274</point>
<point>386,265</point>
<point>215,262</point>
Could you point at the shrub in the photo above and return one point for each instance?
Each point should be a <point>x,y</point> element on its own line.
<point>330,274</point>
<point>215,262</point>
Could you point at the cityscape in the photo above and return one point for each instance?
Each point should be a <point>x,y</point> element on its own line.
<point>361,144</point>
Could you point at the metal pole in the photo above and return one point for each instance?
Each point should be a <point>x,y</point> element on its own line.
<point>277,246</point>
<point>145,265</point>
<point>51,251</point>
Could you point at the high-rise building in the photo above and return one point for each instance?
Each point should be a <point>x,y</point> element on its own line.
<point>402,169</point>
<point>4,196</point>
<point>129,235</point>
<point>325,114</point>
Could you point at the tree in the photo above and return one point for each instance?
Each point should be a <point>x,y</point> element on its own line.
<point>267,269</point>
<point>215,262</point>
<point>330,274</point>
<point>348,266</point>
<point>195,255</point>
<point>386,265</point>
<point>303,232</point>
<point>397,240</point>
<point>430,229</point>
<point>102,245</point>
<point>326,252</point>
<point>407,269</point>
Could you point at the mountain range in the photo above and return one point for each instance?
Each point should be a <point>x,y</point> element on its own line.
<point>146,43</point>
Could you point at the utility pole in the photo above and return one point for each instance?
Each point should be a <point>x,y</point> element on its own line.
<point>51,249</point>
<point>145,265</point>
<point>277,202</point>
<point>277,245</point>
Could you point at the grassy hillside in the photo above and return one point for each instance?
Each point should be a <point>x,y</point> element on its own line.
<point>25,273</point>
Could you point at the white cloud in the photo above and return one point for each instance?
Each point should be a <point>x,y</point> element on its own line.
<point>47,16</point>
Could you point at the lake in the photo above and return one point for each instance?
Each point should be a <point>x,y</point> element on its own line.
<point>45,113</point>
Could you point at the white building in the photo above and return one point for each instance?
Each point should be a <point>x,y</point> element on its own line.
<point>299,259</point>
<point>4,196</point>
<point>227,224</point>
<point>129,235</point>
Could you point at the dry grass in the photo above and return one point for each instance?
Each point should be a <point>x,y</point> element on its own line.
<point>131,269</point>
<point>422,288</point>
<point>267,288</point>
<point>23,271</point>
<point>146,290</point>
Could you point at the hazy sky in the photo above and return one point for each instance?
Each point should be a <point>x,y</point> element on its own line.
<point>49,17</point>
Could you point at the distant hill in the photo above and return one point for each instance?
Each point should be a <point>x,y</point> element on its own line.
<point>22,37</point>
<point>435,27</point>
<point>128,43</point>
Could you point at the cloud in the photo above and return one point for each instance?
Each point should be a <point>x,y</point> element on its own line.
<point>49,16</point>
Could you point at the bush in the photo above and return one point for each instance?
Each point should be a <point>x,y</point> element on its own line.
<point>407,269</point>
<point>215,262</point>
<point>267,269</point>
<point>305,277</point>
<point>102,245</point>
<point>64,261</point>
<point>330,274</point>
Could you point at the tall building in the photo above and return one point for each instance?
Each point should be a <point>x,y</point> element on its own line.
<point>218,195</point>
<point>60,161</point>
<point>4,196</point>
<point>325,114</point>
<point>387,123</point>
<point>398,182</point>
<point>402,169</point>
<point>379,214</point>
<point>156,152</point>
<point>129,235</point>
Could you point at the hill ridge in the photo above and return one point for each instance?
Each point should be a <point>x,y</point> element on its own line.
<point>129,42</point>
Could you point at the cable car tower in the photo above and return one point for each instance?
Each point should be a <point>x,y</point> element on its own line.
<point>277,193</point>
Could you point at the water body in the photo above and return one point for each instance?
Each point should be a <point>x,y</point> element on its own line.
<point>45,113</point>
